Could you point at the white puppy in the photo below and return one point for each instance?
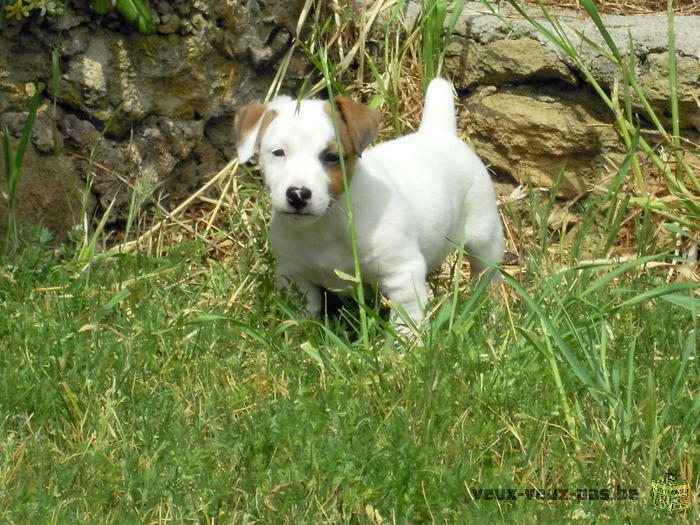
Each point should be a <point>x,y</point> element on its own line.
<point>413,199</point>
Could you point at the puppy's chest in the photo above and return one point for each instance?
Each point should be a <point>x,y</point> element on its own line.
<point>313,254</point>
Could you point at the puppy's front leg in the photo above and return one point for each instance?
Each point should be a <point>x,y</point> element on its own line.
<point>311,292</point>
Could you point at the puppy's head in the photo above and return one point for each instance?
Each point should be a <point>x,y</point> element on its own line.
<point>299,151</point>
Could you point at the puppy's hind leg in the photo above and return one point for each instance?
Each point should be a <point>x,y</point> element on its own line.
<point>406,287</point>
<point>485,247</point>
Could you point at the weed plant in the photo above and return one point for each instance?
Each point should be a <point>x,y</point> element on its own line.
<point>13,159</point>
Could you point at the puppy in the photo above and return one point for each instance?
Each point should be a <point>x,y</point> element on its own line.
<point>413,199</point>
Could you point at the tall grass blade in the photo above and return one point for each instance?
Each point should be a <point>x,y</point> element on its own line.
<point>658,292</point>
<point>458,267</point>
<point>673,81</point>
<point>614,227</point>
<point>650,421</point>
<point>680,231</point>
<point>387,96</point>
<point>86,254</point>
<point>688,302</point>
<point>330,82</point>
<point>13,166</point>
<point>614,274</point>
<point>28,127</point>
<point>629,160</point>
<point>3,15</point>
<point>688,351</point>
<point>689,425</point>
<point>630,389</point>
<point>11,176</point>
<point>434,13</point>
<point>548,354</point>
<point>457,8</point>
<point>9,159</point>
<point>55,91</point>
<point>590,8</point>
<point>564,348</point>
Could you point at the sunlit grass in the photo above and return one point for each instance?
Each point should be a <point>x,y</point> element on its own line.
<point>148,394</point>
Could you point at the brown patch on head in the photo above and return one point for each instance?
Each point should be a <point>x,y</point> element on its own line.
<point>357,123</point>
<point>246,122</point>
<point>267,118</point>
<point>357,126</point>
<point>334,170</point>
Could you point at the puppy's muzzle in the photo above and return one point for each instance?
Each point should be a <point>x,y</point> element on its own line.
<point>298,197</point>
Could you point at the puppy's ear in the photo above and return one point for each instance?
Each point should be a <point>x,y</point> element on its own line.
<point>362,122</point>
<point>249,125</point>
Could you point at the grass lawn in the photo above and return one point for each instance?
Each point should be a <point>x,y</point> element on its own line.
<point>180,388</point>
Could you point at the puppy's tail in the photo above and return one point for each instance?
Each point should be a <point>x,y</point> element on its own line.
<point>439,108</point>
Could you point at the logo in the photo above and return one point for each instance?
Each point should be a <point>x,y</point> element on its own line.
<point>670,493</point>
<point>554,494</point>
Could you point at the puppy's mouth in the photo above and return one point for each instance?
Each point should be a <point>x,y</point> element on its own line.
<point>305,212</point>
<point>298,213</point>
<point>300,217</point>
<point>313,210</point>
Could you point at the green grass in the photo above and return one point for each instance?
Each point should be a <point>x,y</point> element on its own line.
<point>141,395</point>
<point>175,384</point>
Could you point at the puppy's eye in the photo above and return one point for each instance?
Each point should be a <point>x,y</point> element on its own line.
<point>278,152</point>
<point>330,157</point>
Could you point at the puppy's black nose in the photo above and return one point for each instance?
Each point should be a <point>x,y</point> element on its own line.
<point>297,196</point>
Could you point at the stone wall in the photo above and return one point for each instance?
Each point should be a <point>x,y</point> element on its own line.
<point>532,112</point>
<point>126,104</point>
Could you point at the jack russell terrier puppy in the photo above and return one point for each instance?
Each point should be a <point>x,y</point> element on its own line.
<point>413,199</point>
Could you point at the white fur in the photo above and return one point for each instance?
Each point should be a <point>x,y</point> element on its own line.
<point>413,200</point>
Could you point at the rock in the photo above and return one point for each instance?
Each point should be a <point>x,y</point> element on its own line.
<point>649,36</point>
<point>157,147</point>
<point>89,74</point>
<point>220,135</point>
<point>13,122</point>
<point>80,134</point>
<point>653,79</point>
<point>21,59</point>
<point>169,24</point>
<point>263,53</point>
<point>49,192</point>
<point>69,19</point>
<point>533,134</point>
<point>164,8</point>
<point>75,42</point>
<point>124,80</point>
<point>43,135</point>
<point>469,63</point>
<point>187,177</point>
